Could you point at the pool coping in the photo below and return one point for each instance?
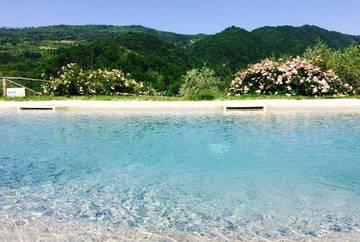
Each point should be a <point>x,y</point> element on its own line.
<point>216,106</point>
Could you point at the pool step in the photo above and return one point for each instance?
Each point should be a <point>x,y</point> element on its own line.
<point>243,106</point>
<point>35,108</point>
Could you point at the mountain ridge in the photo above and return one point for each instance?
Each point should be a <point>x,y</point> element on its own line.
<point>76,32</point>
<point>90,32</point>
<point>164,31</point>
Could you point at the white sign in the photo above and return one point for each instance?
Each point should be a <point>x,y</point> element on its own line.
<point>15,92</point>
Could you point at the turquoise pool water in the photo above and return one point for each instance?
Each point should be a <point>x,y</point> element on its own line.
<point>267,176</point>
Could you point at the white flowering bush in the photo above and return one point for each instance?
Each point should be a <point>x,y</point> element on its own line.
<point>73,80</point>
<point>294,77</point>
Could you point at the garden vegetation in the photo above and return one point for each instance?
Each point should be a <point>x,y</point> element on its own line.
<point>133,60</point>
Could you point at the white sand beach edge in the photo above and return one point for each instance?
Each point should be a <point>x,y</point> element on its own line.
<point>268,105</point>
<point>31,229</point>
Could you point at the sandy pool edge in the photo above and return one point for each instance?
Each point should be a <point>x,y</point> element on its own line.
<point>18,228</point>
<point>134,105</point>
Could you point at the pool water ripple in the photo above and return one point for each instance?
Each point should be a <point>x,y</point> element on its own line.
<point>229,177</point>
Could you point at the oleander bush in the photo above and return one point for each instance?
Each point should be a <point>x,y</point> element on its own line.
<point>295,77</point>
<point>72,80</point>
<point>345,63</point>
<point>200,84</point>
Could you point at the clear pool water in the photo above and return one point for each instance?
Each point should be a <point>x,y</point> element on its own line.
<point>269,176</point>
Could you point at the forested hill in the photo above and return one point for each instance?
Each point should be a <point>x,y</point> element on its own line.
<point>86,33</point>
<point>293,40</point>
<point>146,57</point>
<point>235,47</point>
<point>150,55</point>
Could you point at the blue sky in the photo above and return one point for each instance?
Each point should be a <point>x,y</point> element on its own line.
<point>184,16</point>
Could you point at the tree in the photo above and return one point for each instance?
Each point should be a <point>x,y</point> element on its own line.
<point>200,84</point>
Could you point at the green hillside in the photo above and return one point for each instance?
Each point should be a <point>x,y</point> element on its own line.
<point>146,57</point>
<point>86,33</point>
<point>235,47</point>
<point>229,50</point>
<point>294,40</point>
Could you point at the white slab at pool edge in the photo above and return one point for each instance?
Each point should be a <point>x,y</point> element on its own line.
<point>218,106</point>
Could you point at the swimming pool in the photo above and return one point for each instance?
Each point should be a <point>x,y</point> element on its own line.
<point>224,177</point>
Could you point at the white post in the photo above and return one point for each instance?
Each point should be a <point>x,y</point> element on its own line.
<point>4,87</point>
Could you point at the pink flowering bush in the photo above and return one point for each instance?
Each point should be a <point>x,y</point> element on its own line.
<point>73,80</point>
<point>294,77</point>
<point>345,62</point>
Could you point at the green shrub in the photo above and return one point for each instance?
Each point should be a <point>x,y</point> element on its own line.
<point>349,68</point>
<point>200,84</point>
